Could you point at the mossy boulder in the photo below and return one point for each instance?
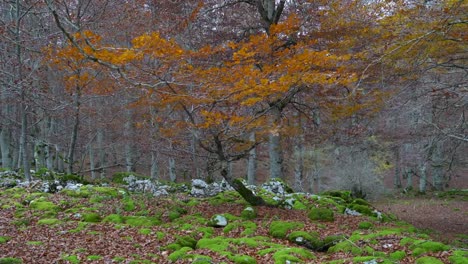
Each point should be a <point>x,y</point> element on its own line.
<point>248,227</point>
<point>44,206</point>
<point>363,209</point>
<point>346,247</point>
<point>428,260</point>
<point>289,254</point>
<point>459,257</point>
<point>114,218</point>
<point>218,220</point>
<point>365,225</point>
<point>186,241</point>
<point>242,259</point>
<point>249,213</point>
<point>421,247</point>
<point>280,229</point>
<point>92,218</point>
<point>344,195</point>
<point>321,214</point>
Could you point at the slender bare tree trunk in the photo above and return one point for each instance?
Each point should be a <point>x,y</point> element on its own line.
<point>5,138</point>
<point>101,153</point>
<point>252,163</point>
<point>422,178</point>
<point>74,135</point>
<point>276,151</point>
<point>129,151</point>
<point>397,177</point>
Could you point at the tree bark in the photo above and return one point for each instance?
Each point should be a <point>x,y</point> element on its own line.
<point>276,151</point>
<point>252,163</point>
<point>422,178</point>
<point>5,138</point>
<point>74,135</point>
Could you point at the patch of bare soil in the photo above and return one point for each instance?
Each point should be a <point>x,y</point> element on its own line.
<point>446,219</point>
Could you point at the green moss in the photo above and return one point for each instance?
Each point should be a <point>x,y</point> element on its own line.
<point>92,218</point>
<point>248,227</point>
<point>200,259</point>
<point>44,206</point>
<point>242,259</point>
<point>407,240</point>
<point>398,255</point>
<point>10,261</point>
<point>176,212</point>
<point>249,213</point>
<point>321,214</point>
<point>81,226</point>
<point>459,257</point>
<point>142,221</point>
<point>114,218</point>
<point>217,244</point>
<point>298,205</point>
<point>347,247</point>
<point>345,195</point>
<point>428,260</point>
<point>421,247</point>
<point>34,243</point>
<point>94,257</point>
<point>361,202</point>
<point>179,254</point>
<point>173,247</point>
<point>293,254</point>
<point>73,259</point>
<point>160,235</point>
<point>145,231</point>
<point>280,229</point>
<point>363,209</point>
<point>186,241</point>
<point>81,193</point>
<point>206,230</point>
<point>119,259</point>
<point>49,221</point>
<point>4,239</point>
<point>128,204</point>
<point>365,225</point>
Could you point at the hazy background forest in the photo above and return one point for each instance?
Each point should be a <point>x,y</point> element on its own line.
<point>363,95</point>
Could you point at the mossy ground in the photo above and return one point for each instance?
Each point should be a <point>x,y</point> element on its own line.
<point>154,230</point>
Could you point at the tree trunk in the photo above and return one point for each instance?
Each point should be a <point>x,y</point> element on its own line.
<point>154,165</point>
<point>422,178</point>
<point>5,137</point>
<point>276,151</point>
<point>237,184</point>
<point>101,153</point>
<point>299,162</point>
<point>129,155</point>
<point>74,135</point>
<point>252,163</point>
<point>397,178</point>
<point>172,169</point>
<point>409,179</point>
<point>438,166</point>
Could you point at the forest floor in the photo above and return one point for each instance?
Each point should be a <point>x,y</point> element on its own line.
<point>110,225</point>
<point>443,218</point>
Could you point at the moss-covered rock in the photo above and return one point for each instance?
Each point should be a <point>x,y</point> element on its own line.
<point>44,206</point>
<point>92,218</point>
<point>218,220</point>
<point>288,255</point>
<point>242,259</point>
<point>186,241</point>
<point>428,260</point>
<point>363,209</point>
<point>249,213</point>
<point>321,214</point>
<point>421,247</point>
<point>347,247</point>
<point>179,254</point>
<point>114,218</point>
<point>344,195</point>
<point>397,255</point>
<point>365,225</point>
<point>280,229</point>
<point>248,227</point>
<point>459,257</point>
